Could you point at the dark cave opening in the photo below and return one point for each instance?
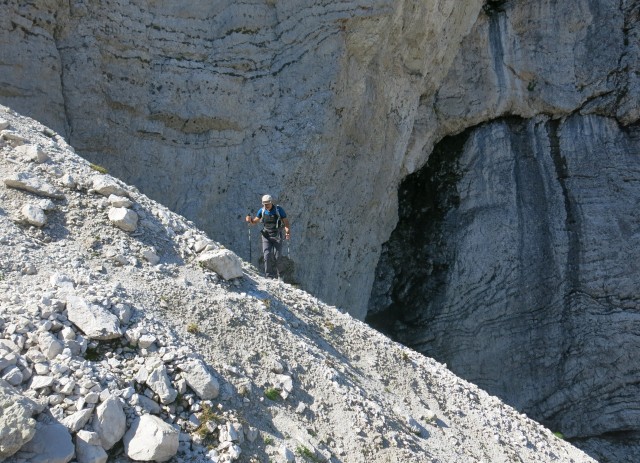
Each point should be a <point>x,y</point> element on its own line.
<point>413,264</point>
<point>485,272</point>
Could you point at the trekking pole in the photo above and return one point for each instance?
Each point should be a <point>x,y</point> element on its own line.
<point>249,228</point>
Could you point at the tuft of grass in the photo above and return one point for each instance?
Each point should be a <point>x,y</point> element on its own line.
<point>559,435</point>
<point>98,168</point>
<point>268,440</point>
<point>307,454</point>
<point>209,438</point>
<point>192,328</point>
<point>209,414</point>
<point>272,393</point>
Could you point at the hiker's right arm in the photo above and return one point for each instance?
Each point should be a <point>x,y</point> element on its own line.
<point>251,220</point>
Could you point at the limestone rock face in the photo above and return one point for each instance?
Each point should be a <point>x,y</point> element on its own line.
<point>241,100</point>
<point>532,254</point>
<point>517,243</point>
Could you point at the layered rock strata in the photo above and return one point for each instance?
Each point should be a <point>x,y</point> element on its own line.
<point>525,222</point>
<point>207,107</point>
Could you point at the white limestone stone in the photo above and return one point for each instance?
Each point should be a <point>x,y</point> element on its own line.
<point>110,422</point>
<point>89,449</point>
<point>150,256</point>
<point>160,383</point>
<point>13,375</point>
<point>40,382</point>
<point>107,186</point>
<point>119,201</point>
<point>123,218</point>
<point>33,215</point>
<point>49,345</point>
<point>16,423</point>
<point>32,153</point>
<point>94,321</point>
<point>198,377</point>
<point>13,137</point>
<point>68,180</point>
<point>30,182</point>
<point>222,261</point>
<point>149,438</point>
<point>146,340</point>
<point>77,420</point>
<point>51,444</point>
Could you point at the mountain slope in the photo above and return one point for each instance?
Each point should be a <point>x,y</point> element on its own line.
<point>295,378</point>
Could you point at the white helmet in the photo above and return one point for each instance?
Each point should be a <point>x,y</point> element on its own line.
<point>266,199</point>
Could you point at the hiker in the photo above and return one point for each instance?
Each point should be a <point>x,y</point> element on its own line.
<point>274,220</point>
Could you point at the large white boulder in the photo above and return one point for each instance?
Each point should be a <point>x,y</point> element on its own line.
<point>222,261</point>
<point>149,438</point>
<point>16,425</point>
<point>110,422</point>
<point>88,448</point>
<point>50,444</point>
<point>94,321</point>
<point>123,218</point>
<point>198,377</point>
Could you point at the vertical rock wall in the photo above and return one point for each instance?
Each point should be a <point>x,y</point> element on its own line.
<point>206,105</point>
<point>530,265</point>
<point>521,273</point>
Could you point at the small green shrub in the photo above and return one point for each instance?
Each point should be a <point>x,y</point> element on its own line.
<point>307,454</point>
<point>209,414</point>
<point>192,328</point>
<point>209,437</point>
<point>272,393</point>
<point>98,168</point>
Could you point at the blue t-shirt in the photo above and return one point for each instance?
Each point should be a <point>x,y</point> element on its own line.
<point>271,212</point>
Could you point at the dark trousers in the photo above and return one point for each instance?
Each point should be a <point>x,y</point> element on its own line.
<point>271,249</point>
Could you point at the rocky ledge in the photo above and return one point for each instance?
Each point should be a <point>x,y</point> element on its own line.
<point>128,334</point>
